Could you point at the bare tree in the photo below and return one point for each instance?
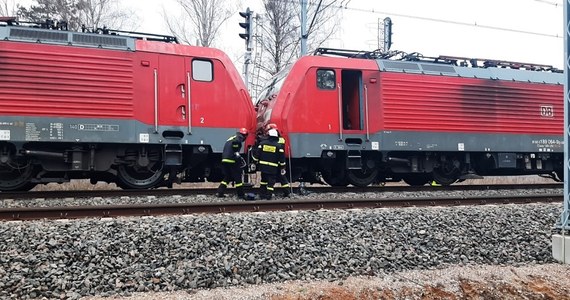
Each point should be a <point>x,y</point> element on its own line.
<point>200,20</point>
<point>8,8</point>
<point>77,13</point>
<point>280,32</point>
<point>50,9</point>
<point>280,37</point>
<point>105,13</point>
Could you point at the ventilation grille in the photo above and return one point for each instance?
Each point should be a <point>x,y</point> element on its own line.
<point>41,35</point>
<point>401,65</point>
<point>46,36</point>
<point>438,68</point>
<point>96,40</point>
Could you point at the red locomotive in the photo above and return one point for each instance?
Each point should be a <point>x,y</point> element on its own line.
<point>134,109</point>
<point>372,117</point>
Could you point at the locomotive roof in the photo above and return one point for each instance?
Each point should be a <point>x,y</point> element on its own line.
<point>54,32</point>
<point>495,73</point>
<point>60,37</point>
<point>398,61</point>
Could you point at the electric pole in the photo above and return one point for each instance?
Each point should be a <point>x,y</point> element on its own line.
<point>304,34</point>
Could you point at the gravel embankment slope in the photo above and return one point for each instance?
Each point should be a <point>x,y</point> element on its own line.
<point>549,281</point>
<point>70,259</point>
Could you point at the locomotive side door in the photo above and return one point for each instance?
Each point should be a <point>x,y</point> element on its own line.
<point>205,93</point>
<point>172,91</point>
<point>351,102</point>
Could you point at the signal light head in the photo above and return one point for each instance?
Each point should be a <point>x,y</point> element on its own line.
<point>246,25</point>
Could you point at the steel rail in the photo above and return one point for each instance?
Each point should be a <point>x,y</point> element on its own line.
<point>315,189</point>
<point>74,212</point>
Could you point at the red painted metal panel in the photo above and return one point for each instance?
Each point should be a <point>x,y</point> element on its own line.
<point>223,102</point>
<point>47,80</point>
<point>303,107</point>
<point>438,103</point>
<point>68,81</point>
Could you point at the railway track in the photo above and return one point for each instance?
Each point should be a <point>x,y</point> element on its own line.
<point>310,189</point>
<point>103,211</point>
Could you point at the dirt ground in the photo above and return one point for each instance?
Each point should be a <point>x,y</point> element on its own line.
<point>549,281</point>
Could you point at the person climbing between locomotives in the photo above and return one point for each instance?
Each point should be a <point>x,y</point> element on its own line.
<point>282,176</point>
<point>270,158</point>
<point>231,164</point>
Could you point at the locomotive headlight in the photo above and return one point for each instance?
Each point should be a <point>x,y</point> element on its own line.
<point>201,148</point>
<point>330,154</point>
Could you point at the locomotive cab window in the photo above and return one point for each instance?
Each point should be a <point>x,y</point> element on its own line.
<point>326,79</point>
<point>202,70</point>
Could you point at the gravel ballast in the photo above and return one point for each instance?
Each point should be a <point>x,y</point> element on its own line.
<point>70,259</point>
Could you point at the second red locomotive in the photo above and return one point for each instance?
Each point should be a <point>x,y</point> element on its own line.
<point>364,118</point>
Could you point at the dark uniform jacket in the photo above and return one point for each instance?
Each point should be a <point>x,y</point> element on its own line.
<point>270,156</point>
<point>232,145</point>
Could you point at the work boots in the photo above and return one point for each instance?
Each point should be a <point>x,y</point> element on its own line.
<point>221,189</point>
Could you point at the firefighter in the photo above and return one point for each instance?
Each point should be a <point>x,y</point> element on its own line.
<point>281,177</point>
<point>231,164</point>
<point>270,158</point>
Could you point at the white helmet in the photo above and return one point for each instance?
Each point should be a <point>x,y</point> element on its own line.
<point>273,132</point>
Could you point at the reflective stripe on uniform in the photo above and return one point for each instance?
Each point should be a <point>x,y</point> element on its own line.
<point>267,163</point>
<point>224,183</point>
<point>238,184</point>
<point>285,185</point>
<point>227,160</point>
<point>282,164</point>
<point>270,188</point>
<point>281,140</point>
<point>269,148</point>
<point>263,183</point>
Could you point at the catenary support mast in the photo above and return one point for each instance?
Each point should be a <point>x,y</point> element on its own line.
<point>560,241</point>
<point>565,214</point>
<point>304,34</point>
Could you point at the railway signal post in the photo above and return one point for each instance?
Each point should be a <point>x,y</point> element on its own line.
<point>561,241</point>
<point>247,36</point>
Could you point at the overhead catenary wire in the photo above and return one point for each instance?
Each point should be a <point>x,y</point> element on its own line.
<point>549,3</point>
<point>345,6</point>
<point>474,24</point>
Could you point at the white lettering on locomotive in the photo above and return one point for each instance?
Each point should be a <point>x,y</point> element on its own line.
<point>4,135</point>
<point>98,127</point>
<point>144,138</point>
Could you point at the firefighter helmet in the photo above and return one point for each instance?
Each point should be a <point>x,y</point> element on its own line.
<point>273,132</point>
<point>243,131</point>
<point>271,126</point>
